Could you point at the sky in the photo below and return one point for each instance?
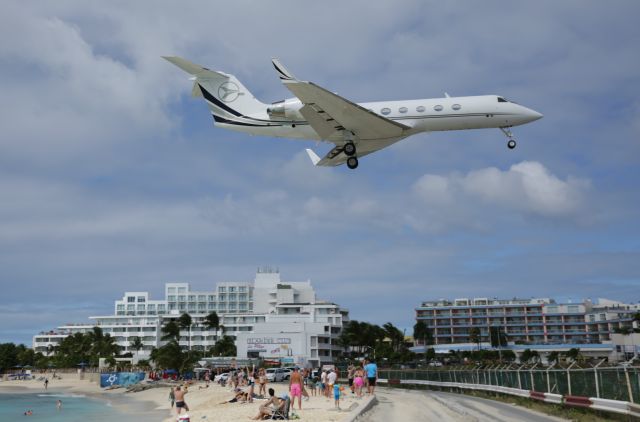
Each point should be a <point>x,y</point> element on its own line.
<point>113,179</point>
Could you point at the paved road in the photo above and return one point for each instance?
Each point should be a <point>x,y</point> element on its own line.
<point>410,405</point>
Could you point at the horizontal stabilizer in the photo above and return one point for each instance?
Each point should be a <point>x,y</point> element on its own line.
<point>313,156</point>
<point>283,72</point>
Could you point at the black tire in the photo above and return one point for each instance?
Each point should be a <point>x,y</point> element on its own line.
<point>352,163</point>
<point>349,149</point>
<point>511,144</point>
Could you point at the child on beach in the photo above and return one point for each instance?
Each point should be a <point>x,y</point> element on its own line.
<point>336,394</point>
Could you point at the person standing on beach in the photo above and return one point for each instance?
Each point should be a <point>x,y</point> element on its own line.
<point>371,370</point>
<point>172,397</point>
<point>295,387</point>
<point>180,403</point>
<point>46,383</point>
<point>351,370</point>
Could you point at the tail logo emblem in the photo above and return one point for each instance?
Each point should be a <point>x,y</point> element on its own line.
<point>229,92</point>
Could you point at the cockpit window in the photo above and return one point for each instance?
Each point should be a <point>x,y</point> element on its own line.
<point>502,100</point>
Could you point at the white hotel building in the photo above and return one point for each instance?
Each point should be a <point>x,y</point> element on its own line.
<point>269,318</point>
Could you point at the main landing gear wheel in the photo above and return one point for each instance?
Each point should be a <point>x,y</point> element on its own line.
<point>511,144</point>
<point>352,163</point>
<point>349,149</point>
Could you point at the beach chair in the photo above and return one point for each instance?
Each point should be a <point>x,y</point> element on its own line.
<point>283,412</point>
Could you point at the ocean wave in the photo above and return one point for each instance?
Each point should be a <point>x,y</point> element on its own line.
<point>62,395</point>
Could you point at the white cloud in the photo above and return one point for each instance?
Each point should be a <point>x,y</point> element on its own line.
<point>526,187</point>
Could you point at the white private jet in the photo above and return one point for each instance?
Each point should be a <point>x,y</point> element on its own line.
<point>355,129</point>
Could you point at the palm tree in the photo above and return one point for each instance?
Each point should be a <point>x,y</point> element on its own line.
<point>394,334</point>
<point>185,323</point>
<point>474,336</point>
<point>573,354</point>
<point>171,331</point>
<point>212,322</point>
<point>136,344</point>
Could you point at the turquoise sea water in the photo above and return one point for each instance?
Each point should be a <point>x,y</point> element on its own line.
<point>75,408</point>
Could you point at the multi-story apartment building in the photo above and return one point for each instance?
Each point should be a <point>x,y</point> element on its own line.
<point>525,321</point>
<point>242,307</point>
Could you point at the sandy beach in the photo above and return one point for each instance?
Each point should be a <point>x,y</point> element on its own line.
<point>203,402</point>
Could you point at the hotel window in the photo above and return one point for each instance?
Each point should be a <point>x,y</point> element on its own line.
<point>232,297</point>
<point>141,307</point>
<point>242,297</point>
<point>222,289</point>
<point>182,298</point>
<point>182,290</point>
<point>171,298</point>
<point>242,289</point>
<point>222,297</point>
<point>141,299</point>
<point>212,298</point>
<point>202,298</point>
<point>120,307</point>
<point>171,290</point>
<point>192,298</point>
<point>131,307</point>
<point>131,299</point>
<point>212,306</point>
<point>232,289</point>
<point>574,309</point>
<point>182,307</point>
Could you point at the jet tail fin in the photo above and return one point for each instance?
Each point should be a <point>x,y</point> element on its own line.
<point>313,156</point>
<point>227,97</point>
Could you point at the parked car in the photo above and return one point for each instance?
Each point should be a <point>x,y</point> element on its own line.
<point>221,377</point>
<point>277,374</point>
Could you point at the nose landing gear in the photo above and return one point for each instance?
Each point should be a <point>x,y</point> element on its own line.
<point>511,143</point>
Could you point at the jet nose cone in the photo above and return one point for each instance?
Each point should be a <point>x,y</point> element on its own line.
<point>534,115</point>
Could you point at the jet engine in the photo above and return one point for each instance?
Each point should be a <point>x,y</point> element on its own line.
<point>289,108</point>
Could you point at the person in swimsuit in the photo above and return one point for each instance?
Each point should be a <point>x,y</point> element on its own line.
<point>180,403</point>
<point>358,382</point>
<point>295,387</point>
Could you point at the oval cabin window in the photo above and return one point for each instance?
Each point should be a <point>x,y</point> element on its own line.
<point>385,111</point>
<point>402,109</point>
<point>438,108</point>
<point>420,109</point>
<point>456,106</point>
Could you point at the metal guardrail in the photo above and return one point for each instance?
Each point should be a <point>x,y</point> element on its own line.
<point>608,389</point>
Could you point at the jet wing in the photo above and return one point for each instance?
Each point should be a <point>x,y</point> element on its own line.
<point>328,113</point>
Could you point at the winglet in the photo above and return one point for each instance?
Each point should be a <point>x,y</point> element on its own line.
<point>285,75</point>
<point>313,156</point>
